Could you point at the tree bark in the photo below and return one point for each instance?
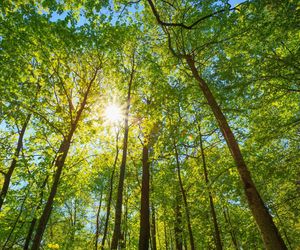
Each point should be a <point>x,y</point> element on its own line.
<point>269,232</point>
<point>118,211</point>
<point>16,222</point>
<point>110,193</point>
<point>178,224</point>
<point>145,211</point>
<point>183,194</point>
<point>153,228</point>
<point>125,235</point>
<point>34,220</point>
<point>98,221</point>
<point>30,232</point>
<point>149,140</point>
<point>231,231</point>
<point>8,175</point>
<point>63,151</point>
<point>211,202</point>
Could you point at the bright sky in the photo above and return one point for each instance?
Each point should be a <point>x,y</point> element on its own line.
<point>113,113</point>
<point>82,20</point>
<point>235,2</point>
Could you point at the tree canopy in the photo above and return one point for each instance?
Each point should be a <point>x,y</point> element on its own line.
<point>149,124</point>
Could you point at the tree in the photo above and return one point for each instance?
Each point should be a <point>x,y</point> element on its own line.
<point>75,116</point>
<point>269,231</point>
<point>117,230</point>
<point>122,125</point>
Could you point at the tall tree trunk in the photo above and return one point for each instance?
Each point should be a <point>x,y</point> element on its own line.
<point>15,240</point>
<point>110,193</point>
<point>145,211</point>
<point>211,202</point>
<point>29,234</point>
<point>98,221</point>
<point>283,228</point>
<point>118,211</point>
<point>73,221</point>
<point>59,164</point>
<point>149,140</point>
<point>178,224</point>
<point>16,222</point>
<point>8,175</point>
<point>269,232</point>
<point>231,231</point>
<point>183,194</point>
<point>125,235</point>
<point>34,220</point>
<point>166,236</point>
<point>63,151</point>
<point>153,227</point>
<point>185,242</point>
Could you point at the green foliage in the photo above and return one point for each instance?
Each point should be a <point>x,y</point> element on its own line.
<point>248,55</point>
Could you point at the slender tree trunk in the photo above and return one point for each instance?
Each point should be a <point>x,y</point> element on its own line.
<point>110,193</point>
<point>183,193</point>
<point>217,235</point>
<point>269,232</point>
<point>153,227</point>
<point>171,234</point>
<point>211,202</point>
<point>178,224</point>
<point>145,211</point>
<point>73,221</point>
<point>16,238</point>
<point>8,175</point>
<point>185,242</point>
<point>149,140</point>
<point>98,221</point>
<point>283,228</point>
<point>59,164</point>
<point>125,235</point>
<point>30,232</point>
<point>153,231</point>
<point>108,208</point>
<point>118,211</point>
<point>16,222</point>
<point>231,231</point>
<point>166,236</point>
<point>63,151</point>
<point>34,220</point>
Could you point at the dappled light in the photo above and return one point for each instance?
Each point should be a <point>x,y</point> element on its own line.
<point>149,125</point>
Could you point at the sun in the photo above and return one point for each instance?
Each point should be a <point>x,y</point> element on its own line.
<point>113,113</point>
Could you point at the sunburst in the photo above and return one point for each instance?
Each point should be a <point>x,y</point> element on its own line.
<point>113,113</point>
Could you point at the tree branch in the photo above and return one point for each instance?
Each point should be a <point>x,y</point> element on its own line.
<point>182,25</point>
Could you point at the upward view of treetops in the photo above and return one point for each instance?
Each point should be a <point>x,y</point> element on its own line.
<point>150,124</point>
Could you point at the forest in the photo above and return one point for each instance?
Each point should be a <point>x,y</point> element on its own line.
<point>150,124</point>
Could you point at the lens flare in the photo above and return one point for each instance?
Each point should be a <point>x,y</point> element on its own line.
<point>113,113</point>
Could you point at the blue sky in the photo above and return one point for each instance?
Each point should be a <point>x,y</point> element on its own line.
<point>235,2</point>
<point>82,20</point>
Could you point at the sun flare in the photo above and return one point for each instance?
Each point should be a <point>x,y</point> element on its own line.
<point>113,113</point>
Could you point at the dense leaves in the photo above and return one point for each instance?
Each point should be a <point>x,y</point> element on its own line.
<point>62,156</point>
